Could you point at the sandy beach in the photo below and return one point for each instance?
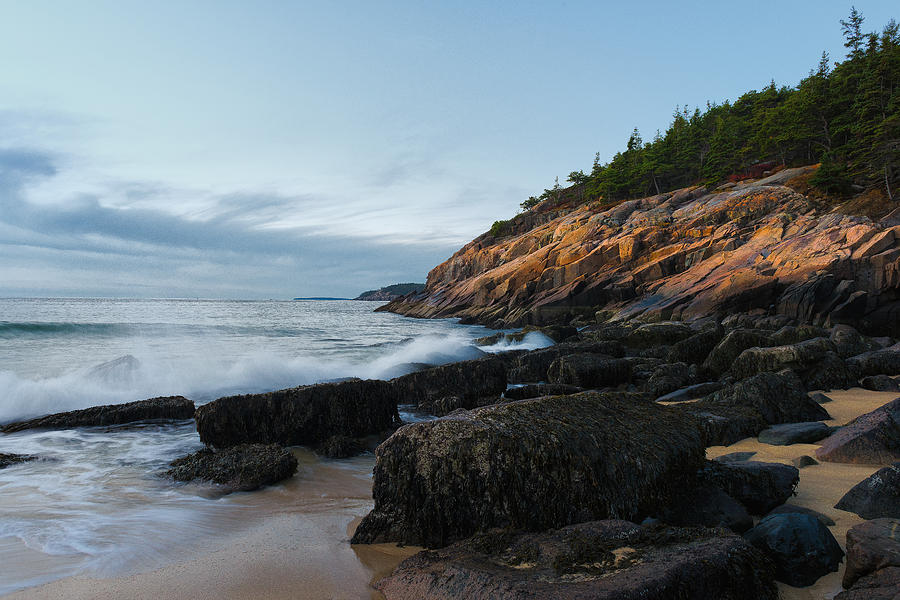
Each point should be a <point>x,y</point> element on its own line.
<point>300,546</point>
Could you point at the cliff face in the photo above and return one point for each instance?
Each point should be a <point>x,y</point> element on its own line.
<point>679,255</point>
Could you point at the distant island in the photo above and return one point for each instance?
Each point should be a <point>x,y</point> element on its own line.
<point>391,292</point>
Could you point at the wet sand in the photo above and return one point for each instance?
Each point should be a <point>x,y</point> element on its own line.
<point>297,547</point>
<point>300,547</point>
<point>822,485</point>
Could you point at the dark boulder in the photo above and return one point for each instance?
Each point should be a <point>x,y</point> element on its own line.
<point>669,378</point>
<point>531,464</point>
<point>692,392</point>
<point>164,408</point>
<point>707,506</point>
<point>849,342</point>
<point>793,508</point>
<point>880,585</point>
<point>467,380</point>
<point>658,334</point>
<point>872,546</point>
<point>600,560</point>
<point>735,457</point>
<point>695,349</point>
<point>340,446</point>
<point>532,366</point>
<point>723,354</point>
<point>14,459</point>
<point>306,415</point>
<point>801,547</point>
<point>790,334</point>
<point>804,461</point>
<point>814,360</point>
<point>872,438</point>
<point>794,433</point>
<point>879,383</point>
<point>820,397</point>
<point>589,371</point>
<point>239,468</point>
<point>830,373</point>
<point>876,496</point>
<point>537,390</point>
<point>876,362</point>
<point>745,408</point>
<point>759,486</point>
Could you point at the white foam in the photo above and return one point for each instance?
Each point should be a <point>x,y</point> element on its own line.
<point>532,340</point>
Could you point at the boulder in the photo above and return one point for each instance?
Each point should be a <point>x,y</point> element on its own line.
<point>489,340</point>
<point>537,390</point>
<point>880,585</point>
<point>692,392</point>
<point>467,380</point>
<point>876,362</point>
<point>163,408</point>
<point>600,560</point>
<point>871,546</point>
<point>759,486</point>
<point>306,415</point>
<point>793,508</point>
<point>745,408</point>
<point>794,433</point>
<point>801,547</point>
<point>707,506</point>
<point>14,459</point>
<point>695,349</point>
<point>532,366</point>
<point>849,342</point>
<point>589,371</point>
<point>240,468</point>
<point>879,383</point>
<point>830,373</point>
<point>814,360</point>
<point>530,464</point>
<point>872,438</point>
<point>340,446</point>
<point>723,354</point>
<point>876,496</point>
<point>658,334</point>
<point>669,378</point>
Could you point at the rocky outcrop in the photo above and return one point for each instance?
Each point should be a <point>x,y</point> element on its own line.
<point>872,438</point>
<point>14,459</point>
<point>816,362</point>
<point>876,496</point>
<point>802,548</point>
<point>164,408</point>
<point>601,560</point>
<point>391,292</point>
<point>468,381</point>
<point>678,255</point>
<point>237,469</point>
<point>531,464</point>
<point>871,547</point>
<point>306,415</point>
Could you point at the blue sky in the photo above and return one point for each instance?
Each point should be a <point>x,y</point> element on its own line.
<point>276,149</point>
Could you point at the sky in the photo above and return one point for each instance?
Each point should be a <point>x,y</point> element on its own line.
<point>268,149</point>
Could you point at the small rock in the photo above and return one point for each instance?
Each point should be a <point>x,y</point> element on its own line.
<point>872,546</point>
<point>793,508</point>
<point>13,459</point>
<point>820,397</point>
<point>879,383</point>
<point>240,468</point>
<point>804,461</point>
<point>692,392</point>
<point>786,434</point>
<point>801,547</point>
<point>876,496</point>
<point>735,457</point>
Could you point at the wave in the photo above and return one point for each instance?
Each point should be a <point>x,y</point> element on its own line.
<point>147,373</point>
<point>33,329</point>
<point>532,340</point>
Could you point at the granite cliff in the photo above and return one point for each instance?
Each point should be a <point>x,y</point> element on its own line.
<point>760,245</point>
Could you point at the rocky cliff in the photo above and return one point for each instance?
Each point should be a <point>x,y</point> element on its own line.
<point>760,245</point>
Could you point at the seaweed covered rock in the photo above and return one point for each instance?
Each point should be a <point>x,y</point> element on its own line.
<point>239,469</point>
<point>340,446</point>
<point>872,438</point>
<point>875,496</point>
<point>722,356</point>
<point>871,547</point>
<point>601,560</point>
<point>794,433</point>
<point>168,408</point>
<point>658,334</point>
<point>668,378</point>
<point>745,408</point>
<point>759,486</point>
<point>879,383</point>
<point>876,362</point>
<point>531,464</point>
<point>695,349</point>
<point>589,370</point>
<point>849,342</point>
<point>801,547</point>
<point>536,390</point>
<point>14,459</point>
<point>305,415</point>
<point>532,366</point>
<point>707,506</point>
<point>814,360</point>
<point>467,380</point>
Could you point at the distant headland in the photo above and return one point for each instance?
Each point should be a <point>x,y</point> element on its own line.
<point>391,292</point>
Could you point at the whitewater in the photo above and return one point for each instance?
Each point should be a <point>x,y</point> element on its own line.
<point>95,503</point>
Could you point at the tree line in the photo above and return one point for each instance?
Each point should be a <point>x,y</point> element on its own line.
<point>844,115</point>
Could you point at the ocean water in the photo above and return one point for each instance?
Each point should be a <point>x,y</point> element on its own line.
<point>95,502</point>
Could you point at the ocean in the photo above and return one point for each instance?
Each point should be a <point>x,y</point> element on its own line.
<point>95,504</point>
